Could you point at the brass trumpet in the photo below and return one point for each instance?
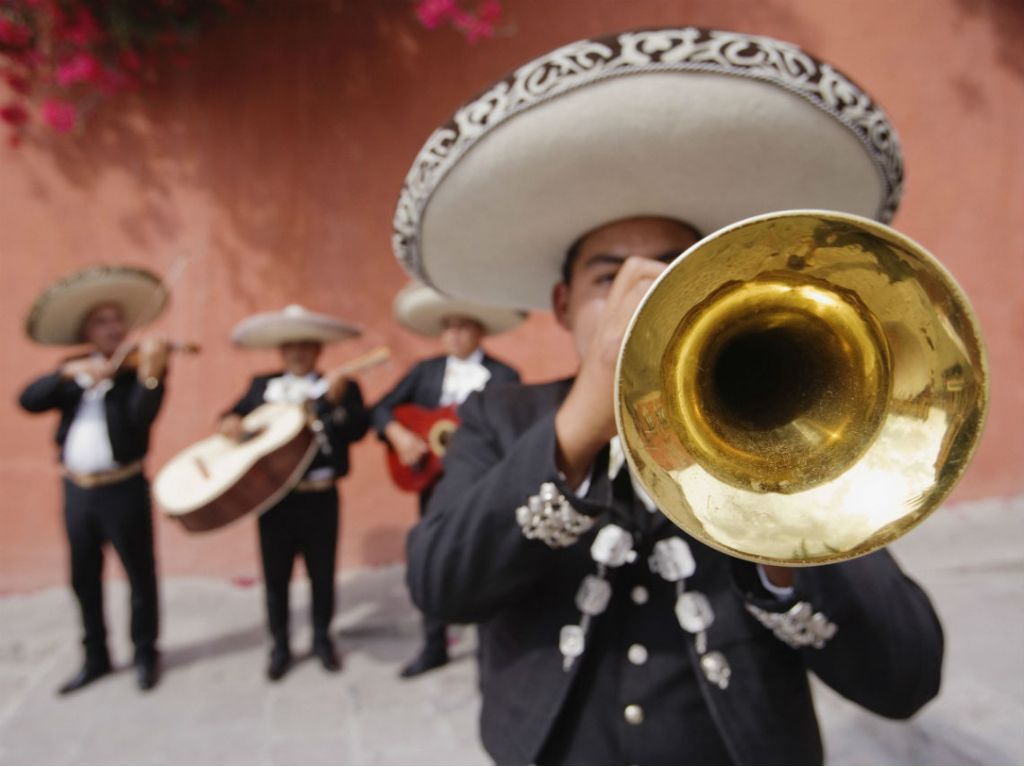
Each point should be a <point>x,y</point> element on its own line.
<point>801,388</point>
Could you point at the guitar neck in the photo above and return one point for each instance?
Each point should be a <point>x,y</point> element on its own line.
<point>372,358</point>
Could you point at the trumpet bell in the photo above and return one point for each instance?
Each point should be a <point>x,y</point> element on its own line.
<point>801,388</point>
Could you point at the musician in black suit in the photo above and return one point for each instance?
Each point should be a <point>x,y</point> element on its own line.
<point>438,382</point>
<point>106,412</point>
<point>305,521</point>
<point>608,635</point>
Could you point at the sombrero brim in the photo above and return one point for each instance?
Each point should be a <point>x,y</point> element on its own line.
<point>706,126</point>
<point>422,310</point>
<point>263,331</point>
<point>56,317</point>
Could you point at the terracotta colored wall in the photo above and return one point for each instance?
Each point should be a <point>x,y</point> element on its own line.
<point>273,164</point>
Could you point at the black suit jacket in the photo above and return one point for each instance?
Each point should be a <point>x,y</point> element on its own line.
<point>344,423</point>
<point>469,562</point>
<point>422,386</point>
<point>131,409</point>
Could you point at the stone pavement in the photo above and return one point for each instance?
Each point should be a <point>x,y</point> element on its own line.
<point>213,705</point>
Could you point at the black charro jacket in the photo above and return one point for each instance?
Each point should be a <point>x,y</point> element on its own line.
<point>131,409</point>
<point>422,386</point>
<point>469,562</point>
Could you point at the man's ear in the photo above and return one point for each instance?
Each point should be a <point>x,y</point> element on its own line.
<point>560,304</point>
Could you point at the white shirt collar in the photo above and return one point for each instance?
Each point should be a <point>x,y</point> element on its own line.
<point>476,358</point>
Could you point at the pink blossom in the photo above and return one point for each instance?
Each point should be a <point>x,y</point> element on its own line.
<point>489,11</point>
<point>18,83</point>
<point>59,115</point>
<point>473,27</point>
<point>83,31</point>
<point>14,114</point>
<point>433,13</point>
<point>79,68</point>
<point>14,34</point>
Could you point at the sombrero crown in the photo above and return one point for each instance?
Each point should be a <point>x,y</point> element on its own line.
<point>703,125</point>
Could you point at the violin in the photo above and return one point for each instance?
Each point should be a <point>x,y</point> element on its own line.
<point>131,356</point>
<point>127,358</point>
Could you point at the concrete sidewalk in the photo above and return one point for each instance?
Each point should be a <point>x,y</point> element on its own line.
<point>214,706</point>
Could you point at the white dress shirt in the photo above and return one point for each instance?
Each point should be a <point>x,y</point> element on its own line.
<point>463,377</point>
<point>297,390</point>
<point>87,448</point>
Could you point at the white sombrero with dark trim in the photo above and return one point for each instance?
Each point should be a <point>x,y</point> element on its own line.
<point>706,126</point>
<point>56,317</point>
<point>293,323</point>
<point>422,310</point>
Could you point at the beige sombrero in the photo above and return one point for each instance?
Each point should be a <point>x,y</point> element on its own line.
<point>293,323</point>
<point>56,317</point>
<point>703,125</point>
<point>422,309</point>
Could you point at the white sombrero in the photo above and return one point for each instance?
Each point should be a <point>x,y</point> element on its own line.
<point>56,317</point>
<point>422,309</point>
<point>293,323</point>
<point>702,125</point>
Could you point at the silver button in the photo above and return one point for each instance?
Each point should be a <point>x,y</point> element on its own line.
<point>634,714</point>
<point>639,595</point>
<point>637,654</point>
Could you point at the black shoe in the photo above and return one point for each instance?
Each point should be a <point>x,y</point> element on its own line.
<point>280,662</point>
<point>424,662</point>
<point>324,650</point>
<point>147,671</point>
<point>88,674</point>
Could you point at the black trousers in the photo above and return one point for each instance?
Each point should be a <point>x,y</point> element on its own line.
<point>306,524</point>
<point>435,631</point>
<point>118,514</point>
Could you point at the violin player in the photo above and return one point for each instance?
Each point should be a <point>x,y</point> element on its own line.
<point>107,409</point>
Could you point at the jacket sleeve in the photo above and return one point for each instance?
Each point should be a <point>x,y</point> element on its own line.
<point>144,403</point>
<point>468,558</point>
<point>886,653</point>
<point>503,374</point>
<point>346,422</point>
<point>47,393</point>
<point>403,392</point>
<point>249,401</point>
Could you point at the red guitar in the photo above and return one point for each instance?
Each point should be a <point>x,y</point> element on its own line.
<point>435,427</point>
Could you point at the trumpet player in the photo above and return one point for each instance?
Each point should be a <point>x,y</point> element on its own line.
<point>608,635</point>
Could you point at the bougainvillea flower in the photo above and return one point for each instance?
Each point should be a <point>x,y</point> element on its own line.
<point>489,11</point>
<point>14,114</point>
<point>14,34</point>
<point>433,13</point>
<point>82,32</point>
<point>59,115</point>
<point>79,68</point>
<point>17,83</point>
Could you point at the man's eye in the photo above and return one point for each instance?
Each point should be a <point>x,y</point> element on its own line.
<point>605,279</point>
